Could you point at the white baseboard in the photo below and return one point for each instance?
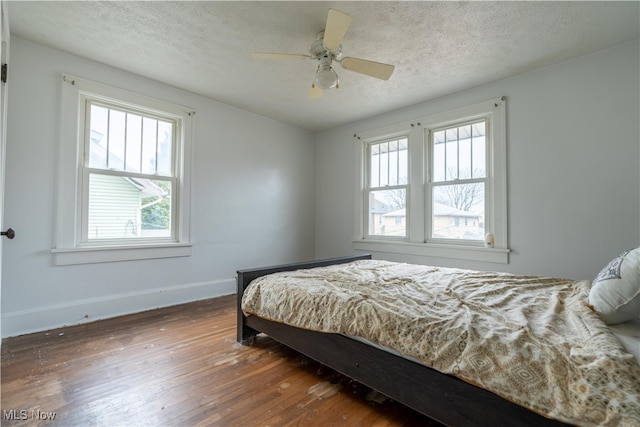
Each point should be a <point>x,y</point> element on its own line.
<point>21,322</point>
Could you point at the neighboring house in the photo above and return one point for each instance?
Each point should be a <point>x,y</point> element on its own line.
<point>119,217</point>
<point>378,210</point>
<point>392,223</point>
<point>452,223</point>
<point>448,223</point>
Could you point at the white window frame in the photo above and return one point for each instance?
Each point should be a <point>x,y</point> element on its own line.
<point>418,241</point>
<point>369,188</point>
<point>70,245</point>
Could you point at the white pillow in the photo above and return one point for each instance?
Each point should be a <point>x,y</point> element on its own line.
<point>615,292</point>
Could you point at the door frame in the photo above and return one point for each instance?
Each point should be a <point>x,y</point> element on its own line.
<point>4,59</point>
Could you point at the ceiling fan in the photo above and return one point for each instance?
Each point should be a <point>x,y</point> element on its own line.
<point>327,48</point>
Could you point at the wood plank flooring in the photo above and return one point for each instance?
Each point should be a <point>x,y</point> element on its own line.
<point>178,366</point>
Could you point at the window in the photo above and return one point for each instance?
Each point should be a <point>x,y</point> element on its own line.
<point>458,181</point>
<point>124,176</point>
<point>386,191</point>
<point>128,175</point>
<point>435,186</point>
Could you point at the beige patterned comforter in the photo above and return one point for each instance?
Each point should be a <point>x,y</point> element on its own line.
<point>531,340</point>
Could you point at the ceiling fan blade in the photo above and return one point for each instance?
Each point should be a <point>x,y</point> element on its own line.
<point>370,68</point>
<point>335,28</point>
<point>315,92</point>
<point>269,55</point>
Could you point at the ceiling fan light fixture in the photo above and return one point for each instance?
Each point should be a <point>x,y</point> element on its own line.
<point>326,77</point>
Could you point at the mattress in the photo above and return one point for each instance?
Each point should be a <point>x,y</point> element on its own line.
<point>628,333</point>
<point>531,340</point>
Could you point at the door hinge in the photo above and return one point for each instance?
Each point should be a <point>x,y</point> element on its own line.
<point>3,73</point>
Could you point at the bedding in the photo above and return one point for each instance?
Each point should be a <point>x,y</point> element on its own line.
<point>531,340</point>
<point>615,292</point>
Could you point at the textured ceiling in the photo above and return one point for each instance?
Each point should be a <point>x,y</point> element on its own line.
<point>437,47</point>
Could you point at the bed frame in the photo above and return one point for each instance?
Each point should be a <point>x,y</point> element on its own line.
<point>441,397</point>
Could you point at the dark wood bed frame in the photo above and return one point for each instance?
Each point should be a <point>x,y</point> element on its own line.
<point>441,397</point>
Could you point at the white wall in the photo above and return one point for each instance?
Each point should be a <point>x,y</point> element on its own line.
<point>259,197</point>
<point>573,166</point>
<point>253,202</point>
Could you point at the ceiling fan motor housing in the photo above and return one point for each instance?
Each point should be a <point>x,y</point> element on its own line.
<point>318,51</point>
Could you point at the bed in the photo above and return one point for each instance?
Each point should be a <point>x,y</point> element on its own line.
<point>447,397</point>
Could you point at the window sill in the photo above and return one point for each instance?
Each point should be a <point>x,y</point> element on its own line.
<point>469,253</point>
<point>92,255</point>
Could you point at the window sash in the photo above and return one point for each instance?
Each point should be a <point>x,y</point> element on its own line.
<point>475,170</point>
<point>431,217</point>
<point>143,114</point>
<point>396,151</point>
<point>85,235</point>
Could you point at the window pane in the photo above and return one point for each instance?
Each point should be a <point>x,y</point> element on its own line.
<point>439,156</point>
<point>384,164</point>
<point>128,208</point>
<point>374,166</point>
<point>479,150</point>
<point>458,212</point>
<point>116,140</point>
<point>393,163</point>
<point>464,155</point>
<point>134,143</point>
<point>156,209</point>
<point>403,165</point>
<point>98,135</point>
<point>165,148</point>
<point>149,145</point>
<point>451,166</point>
<point>387,213</point>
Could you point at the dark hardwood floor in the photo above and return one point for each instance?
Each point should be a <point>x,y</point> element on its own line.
<point>178,366</point>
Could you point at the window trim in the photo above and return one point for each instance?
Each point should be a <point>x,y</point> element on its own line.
<point>418,222</point>
<point>68,247</point>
